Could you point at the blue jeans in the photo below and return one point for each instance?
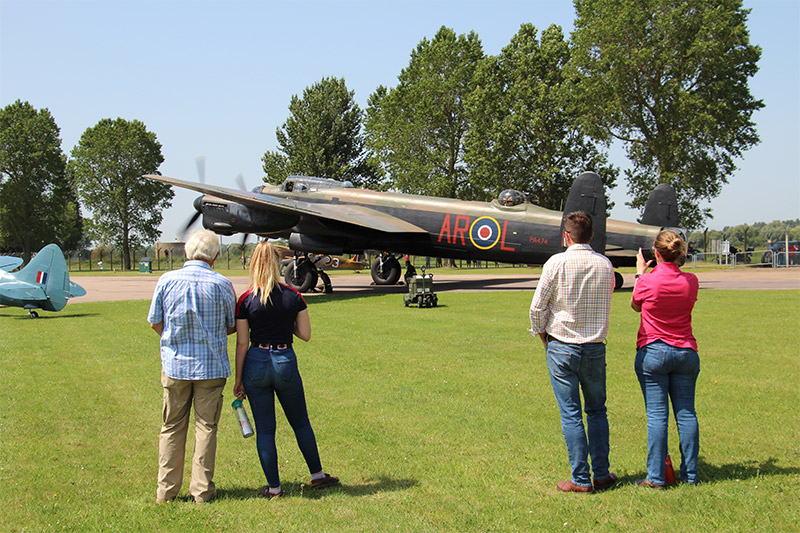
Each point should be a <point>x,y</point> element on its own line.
<point>575,368</point>
<point>267,373</point>
<point>669,373</point>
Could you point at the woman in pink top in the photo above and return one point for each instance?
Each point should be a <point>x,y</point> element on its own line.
<point>667,363</point>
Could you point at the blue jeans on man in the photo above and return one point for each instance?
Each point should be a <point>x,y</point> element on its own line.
<point>575,368</point>
<point>668,373</point>
<point>268,373</point>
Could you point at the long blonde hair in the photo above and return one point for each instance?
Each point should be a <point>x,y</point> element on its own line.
<point>264,271</point>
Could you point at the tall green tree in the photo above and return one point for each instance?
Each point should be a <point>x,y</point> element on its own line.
<point>322,137</point>
<point>108,164</point>
<point>417,129</point>
<point>669,78</point>
<point>37,200</point>
<point>526,132</point>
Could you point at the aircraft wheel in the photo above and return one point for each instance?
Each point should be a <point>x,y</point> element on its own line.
<point>303,278</point>
<point>618,281</point>
<point>33,314</point>
<point>388,274</point>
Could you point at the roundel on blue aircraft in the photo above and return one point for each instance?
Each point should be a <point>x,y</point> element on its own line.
<point>484,232</point>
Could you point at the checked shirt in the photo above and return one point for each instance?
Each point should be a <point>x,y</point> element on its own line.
<point>196,305</point>
<point>573,296</point>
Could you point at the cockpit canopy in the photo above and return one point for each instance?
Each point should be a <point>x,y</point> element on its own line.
<point>310,184</point>
<point>511,197</point>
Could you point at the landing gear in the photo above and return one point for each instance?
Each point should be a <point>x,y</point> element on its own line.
<point>301,274</point>
<point>33,314</point>
<point>617,281</point>
<point>327,288</point>
<point>385,270</point>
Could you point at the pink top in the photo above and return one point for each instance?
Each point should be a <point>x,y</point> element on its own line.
<point>667,297</point>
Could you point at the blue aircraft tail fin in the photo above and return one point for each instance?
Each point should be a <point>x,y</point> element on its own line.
<point>588,194</point>
<point>49,270</point>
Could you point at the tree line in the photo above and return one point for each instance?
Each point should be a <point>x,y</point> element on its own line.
<point>666,78</point>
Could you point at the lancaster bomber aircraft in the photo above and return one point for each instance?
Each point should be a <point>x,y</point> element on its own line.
<point>325,216</point>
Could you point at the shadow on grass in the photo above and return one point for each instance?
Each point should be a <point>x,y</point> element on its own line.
<point>303,490</point>
<point>709,473</point>
<point>46,317</point>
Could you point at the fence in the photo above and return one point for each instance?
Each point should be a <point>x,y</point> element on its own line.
<point>750,258</point>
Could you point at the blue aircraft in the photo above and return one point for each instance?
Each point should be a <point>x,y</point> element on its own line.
<point>42,284</point>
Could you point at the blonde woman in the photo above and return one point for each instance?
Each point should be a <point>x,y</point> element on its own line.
<point>667,363</point>
<point>268,316</point>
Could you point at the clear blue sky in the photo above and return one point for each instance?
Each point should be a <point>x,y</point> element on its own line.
<point>214,79</point>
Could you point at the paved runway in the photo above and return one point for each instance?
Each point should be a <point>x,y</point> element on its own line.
<point>105,288</point>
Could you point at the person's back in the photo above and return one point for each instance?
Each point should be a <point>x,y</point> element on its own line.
<point>194,300</point>
<point>581,282</point>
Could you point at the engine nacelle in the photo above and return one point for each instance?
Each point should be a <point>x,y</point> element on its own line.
<point>316,244</point>
<point>226,218</point>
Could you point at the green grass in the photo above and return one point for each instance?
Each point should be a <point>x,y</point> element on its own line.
<point>434,419</point>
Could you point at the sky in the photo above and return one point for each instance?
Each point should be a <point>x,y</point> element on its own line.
<point>214,79</point>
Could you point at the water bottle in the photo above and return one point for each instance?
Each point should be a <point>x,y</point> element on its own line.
<point>241,416</point>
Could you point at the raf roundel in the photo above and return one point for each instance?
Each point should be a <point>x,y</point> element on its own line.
<point>484,232</point>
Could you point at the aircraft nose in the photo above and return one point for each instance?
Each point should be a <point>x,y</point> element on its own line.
<point>198,204</point>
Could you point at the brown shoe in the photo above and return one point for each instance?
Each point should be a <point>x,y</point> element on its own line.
<point>325,481</point>
<point>606,482</point>
<point>569,486</point>
<point>161,500</point>
<point>270,495</point>
<point>648,484</point>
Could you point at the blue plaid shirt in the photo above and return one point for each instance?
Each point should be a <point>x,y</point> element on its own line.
<point>196,305</point>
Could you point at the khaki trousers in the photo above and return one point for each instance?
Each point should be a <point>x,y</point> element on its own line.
<point>178,398</point>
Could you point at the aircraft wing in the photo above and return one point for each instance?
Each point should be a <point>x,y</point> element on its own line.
<point>9,262</point>
<point>19,290</point>
<point>351,214</point>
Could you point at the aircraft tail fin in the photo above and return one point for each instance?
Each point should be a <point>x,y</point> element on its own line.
<point>588,194</point>
<point>38,269</point>
<point>661,208</point>
<point>49,270</point>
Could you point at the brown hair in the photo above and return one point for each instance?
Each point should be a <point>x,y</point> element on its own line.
<point>670,246</point>
<point>264,271</point>
<point>579,226</point>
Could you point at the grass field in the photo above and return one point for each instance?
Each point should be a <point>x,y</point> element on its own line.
<point>435,420</point>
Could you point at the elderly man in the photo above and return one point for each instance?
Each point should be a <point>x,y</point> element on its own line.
<point>193,310</point>
<point>569,312</point>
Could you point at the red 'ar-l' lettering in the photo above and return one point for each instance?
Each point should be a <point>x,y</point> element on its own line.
<point>458,230</point>
<point>445,230</point>
<point>503,239</point>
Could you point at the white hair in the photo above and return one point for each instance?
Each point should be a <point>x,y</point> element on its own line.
<point>203,245</point>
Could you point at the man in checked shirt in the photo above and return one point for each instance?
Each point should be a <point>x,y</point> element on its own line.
<point>569,312</point>
<point>193,310</point>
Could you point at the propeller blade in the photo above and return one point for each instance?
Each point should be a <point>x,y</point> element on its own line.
<point>189,224</point>
<point>240,182</point>
<point>201,168</point>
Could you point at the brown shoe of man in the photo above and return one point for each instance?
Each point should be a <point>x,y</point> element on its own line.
<point>606,482</point>
<point>569,486</point>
